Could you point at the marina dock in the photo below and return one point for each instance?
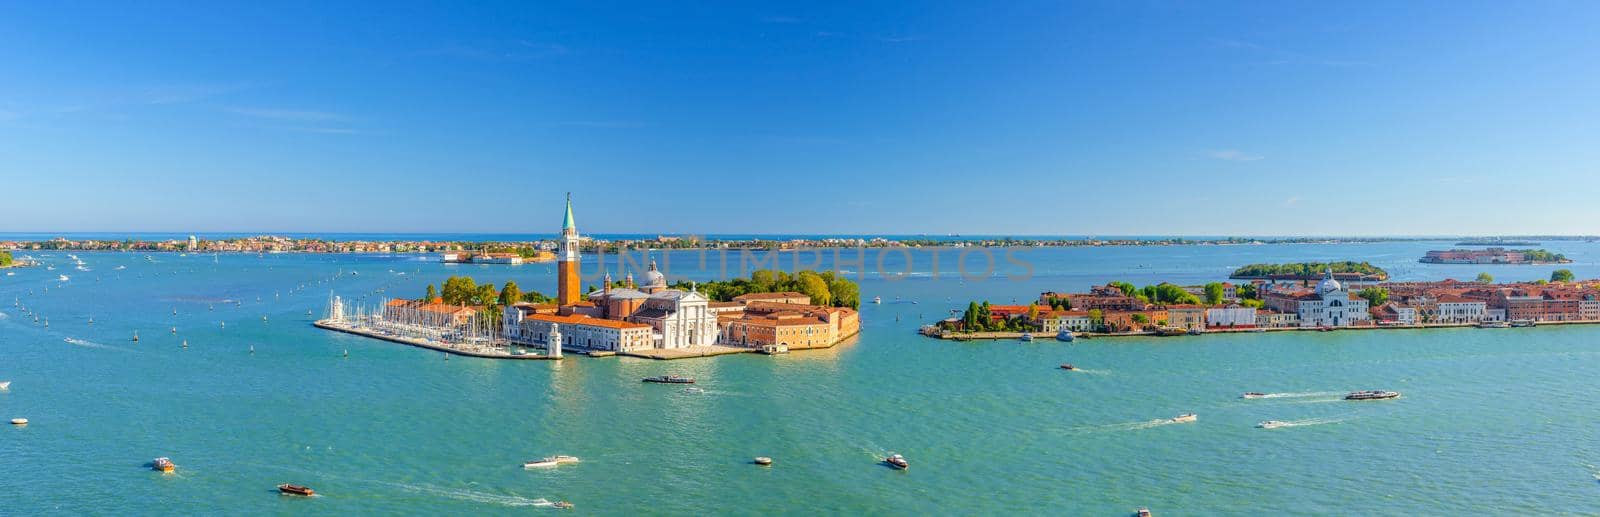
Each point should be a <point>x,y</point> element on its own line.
<point>329,325</point>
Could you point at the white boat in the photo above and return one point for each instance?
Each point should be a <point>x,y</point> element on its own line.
<point>550,461</point>
<point>1184,418</point>
<point>62,278</point>
<point>1026,336</point>
<point>897,461</point>
<point>877,299</point>
<point>5,385</point>
<point>19,421</point>
<point>1271,424</point>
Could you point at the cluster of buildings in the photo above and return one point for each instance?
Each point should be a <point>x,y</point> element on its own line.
<point>256,244</point>
<point>1328,304</point>
<point>463,257</point>
<point>1486,256</point>
<point>636,316</point>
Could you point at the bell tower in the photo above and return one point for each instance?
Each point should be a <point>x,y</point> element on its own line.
<point>569,288</point>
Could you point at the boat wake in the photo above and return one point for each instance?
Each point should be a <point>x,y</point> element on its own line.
<point>469,495</point>
<point>1311,421</point>
<point>91,344</point>
<point>1125,426</point>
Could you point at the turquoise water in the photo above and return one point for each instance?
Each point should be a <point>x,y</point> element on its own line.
<point>1492,421</point>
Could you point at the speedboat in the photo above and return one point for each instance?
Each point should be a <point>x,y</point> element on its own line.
<point>763,460</point>
<point>62,278</point>
<point>1184,418</point>
<point>5,385</point>
<point>1253,395</point>
<point>1142,512</point>
<point>1068,366</point>
<point>1271,424</point>
<point>1027,336</point>
<point>670,379</point>
<point>163,464</point>
<point>1065,335</point>
<point>562,505</point>
<point>288,489</point>
<point>897,461</point>
<point>877,299</point>
<point>564,459</point>
<point>1372,395</point>
<point>19,421</point>
<point>539,464</point>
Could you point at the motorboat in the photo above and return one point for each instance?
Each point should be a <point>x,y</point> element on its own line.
<point>19,421</point>
<point>1271,424</point>
<point>564,459</point>
<point>1027,336</point>
<point>288,489</point>
<point>670,379</point>
<point>1523,323</point>
<point>1493,325</point>
<point>775,349</point>
<point>62,278</point>
<point>1372,395</point>
<point>877,299</point>
<point>1324,328</point>
<point>562,505</point>
<point>5,385</point>
<point>1142,512</point>
<point>1184,418</point>
<point>1253,395</point>
<point>763,461</point>
<point>1068,367</point>
<point>1065,335</point>
<point>897,461</point>
<point>163,464</point>
<point>541,464</point>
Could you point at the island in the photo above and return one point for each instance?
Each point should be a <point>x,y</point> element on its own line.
<point>1494,256</point>
<point>1310,271</point>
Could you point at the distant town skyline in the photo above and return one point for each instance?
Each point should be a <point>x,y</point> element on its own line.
<point>1028,119</point>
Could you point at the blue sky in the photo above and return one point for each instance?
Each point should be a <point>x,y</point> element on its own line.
<point>1249,118</point>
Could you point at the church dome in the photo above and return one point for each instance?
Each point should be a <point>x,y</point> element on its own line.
<point>1329,285</point>
<point>653,277</point>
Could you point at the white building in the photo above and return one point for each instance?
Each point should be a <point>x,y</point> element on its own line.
<point>1331,306</point>
<point>1456,309</point>
<point>680,319</point>
<point>1233,316</point>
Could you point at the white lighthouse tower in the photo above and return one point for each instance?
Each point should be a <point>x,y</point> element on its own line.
<point>553,344</point>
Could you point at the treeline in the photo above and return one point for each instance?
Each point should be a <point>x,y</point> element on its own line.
<point>825,288</point>
<point>5,258</point>
<point>1309,269</point>
<point>1543,256</point>
<point>463,290</point>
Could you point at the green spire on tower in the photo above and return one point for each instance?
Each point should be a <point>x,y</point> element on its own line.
<point>568,224</point>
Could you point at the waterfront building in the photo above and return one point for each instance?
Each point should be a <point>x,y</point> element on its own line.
<point>569,287</point>
<point>1275,319</point>
<point>1075,321</point>
<point>1395,314</point>
<point>1187,317</point>
<point>522,325</point>
<point>796,326</point>
<point>1459,309</point>
<point>783,297</point>
<point>1329,305</point>
<point>1232,316</point>
<point>433,313</point>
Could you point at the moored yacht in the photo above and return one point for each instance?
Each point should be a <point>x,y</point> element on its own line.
<point>1493,325</point>
<point>1065,335</point>
<point>1372,395</point>
<point>1027,336</point>
<point>1523,323</point>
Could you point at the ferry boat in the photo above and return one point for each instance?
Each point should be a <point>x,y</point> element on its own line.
<point>1027,336</point>
<point>1372,395</point>
<point>1523,323</point>
<point>897,461</point>
<point>1184,418</point>
<point>1271,424</point>
<point>288,489</point>
<point>163,464</point>
<point>670,379</point>
<point>763,461</point>
<point>1068,366</point>
<point>1493,325</point>
<point>1253,395</point>
<point>1065,335</point>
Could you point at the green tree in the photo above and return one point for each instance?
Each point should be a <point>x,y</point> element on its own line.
<point>432,293</point>
<point>1375,296</point>
<point>845,293</point>
<point>1126,288</point>
<point>814,286</point>
<point>1097,318</point>
<point>5,258</point>
<point>1140,319</point>
<point>510,294</point>
<point>536,297</point>
<point>459,290</point>
<point>1561,275</point>
<point>1246,292</point>
<point>969,320</point>
<point>1485,278</point>
<point>1213,293</point>
<point>486,295</point>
